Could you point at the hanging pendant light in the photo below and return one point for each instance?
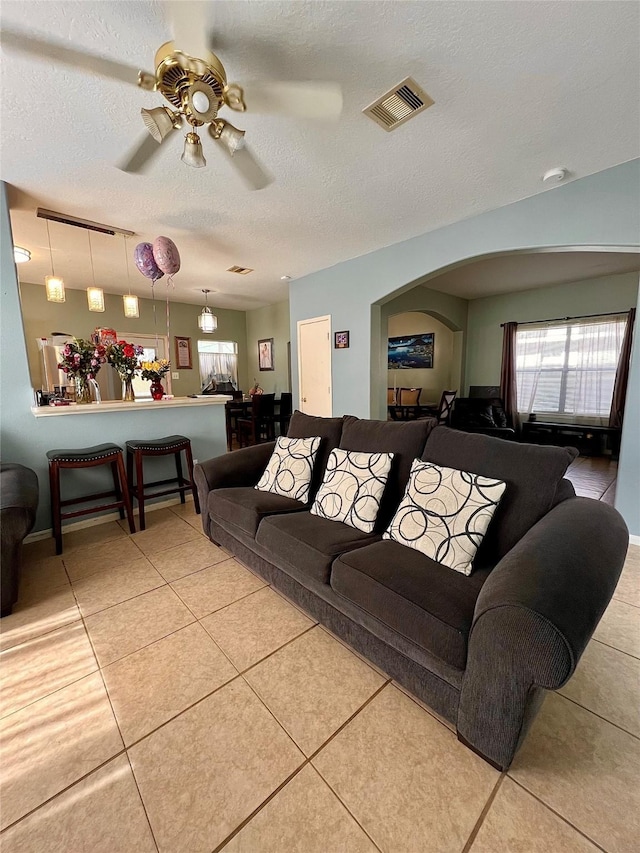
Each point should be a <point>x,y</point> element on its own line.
<point>207,322</point>
<point>54,285</point>
<point>95,295</point>
<point>130,303</point>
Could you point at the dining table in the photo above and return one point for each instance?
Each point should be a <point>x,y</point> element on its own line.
<point>411,411</point>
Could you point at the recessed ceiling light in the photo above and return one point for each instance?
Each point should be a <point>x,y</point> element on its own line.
<point>20,255</point>
<point>285,278</point>
<point>554,176</point>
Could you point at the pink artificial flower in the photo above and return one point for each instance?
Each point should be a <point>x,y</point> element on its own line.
<point>93,362</point>
<point>67,349</point>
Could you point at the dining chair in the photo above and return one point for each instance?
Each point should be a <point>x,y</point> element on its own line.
<point>392,396</point>
<point>233,410</point>
<point>284,415</point>
<point>442,413</point>
<point>259,426</point>
<point>409,403</point>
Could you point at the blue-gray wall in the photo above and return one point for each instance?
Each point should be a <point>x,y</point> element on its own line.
<point>599,210</point>
<point>628,486</point>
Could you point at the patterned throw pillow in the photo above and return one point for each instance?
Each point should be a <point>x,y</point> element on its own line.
<point>289,470</point>
<point>352,488</point>
<point>445,513</point>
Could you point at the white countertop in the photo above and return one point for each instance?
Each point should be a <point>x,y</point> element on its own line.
<point>120,406</point>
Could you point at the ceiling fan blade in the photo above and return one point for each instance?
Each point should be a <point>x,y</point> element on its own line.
<point>140,157</point>
<point>248,167</point>
<point>188,19</point>
<point>59,53</point>
<point>302,100</point>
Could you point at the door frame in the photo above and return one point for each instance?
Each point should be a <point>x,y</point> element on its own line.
<point>299,348</point>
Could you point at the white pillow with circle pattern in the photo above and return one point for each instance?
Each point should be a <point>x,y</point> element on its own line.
<point>289,471</point>
<point>352,488</point>
<point>445,513</point>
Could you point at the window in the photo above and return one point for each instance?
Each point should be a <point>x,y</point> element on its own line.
<point>218,363</point>
<point>569,368</point>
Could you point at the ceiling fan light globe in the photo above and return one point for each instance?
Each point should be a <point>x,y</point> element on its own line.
<point>158,121</point>
<point>192,154</point>
<point>232,137</point>
<point>200,102</point>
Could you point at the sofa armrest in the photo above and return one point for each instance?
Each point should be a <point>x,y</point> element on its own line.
<point>239,468</point>
<point>533,619</point>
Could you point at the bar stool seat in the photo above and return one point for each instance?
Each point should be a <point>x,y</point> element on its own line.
<point>137,449</point>
<point>88,457</point>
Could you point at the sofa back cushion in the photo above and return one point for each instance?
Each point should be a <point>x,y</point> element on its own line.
<point>532,474</point>
<point>328,429</point>
<point>405,439</point>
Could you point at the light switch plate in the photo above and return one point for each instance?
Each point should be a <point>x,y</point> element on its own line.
<point>175,376</point>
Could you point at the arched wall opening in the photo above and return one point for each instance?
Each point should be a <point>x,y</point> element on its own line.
<point>446,370</point>
<point>479,338</point>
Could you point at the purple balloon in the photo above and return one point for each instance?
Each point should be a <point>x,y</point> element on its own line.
<point>166,255</point>
<point>143,256</point>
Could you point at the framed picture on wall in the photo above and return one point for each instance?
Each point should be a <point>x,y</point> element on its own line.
<point>183,353</point>
<point>265,354</point>
<point>341,340</point>
<point>411,351</point>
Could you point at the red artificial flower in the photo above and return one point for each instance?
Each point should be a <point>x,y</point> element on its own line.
<point>121,343</point>
<point>101,350</point>
<point>129,351</point>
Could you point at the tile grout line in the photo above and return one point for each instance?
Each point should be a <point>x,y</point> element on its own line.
<point>124,746</point>
<point>556,813</point>
<point>485,811</point>
<point>599,716</point>
<point>307,761</point>
<point>609,646</point>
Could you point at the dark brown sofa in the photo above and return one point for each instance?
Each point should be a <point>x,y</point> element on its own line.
<point>480,650</point>
<point>18,505</point>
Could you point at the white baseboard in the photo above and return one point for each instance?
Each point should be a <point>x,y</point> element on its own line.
<point>634,540</point>
<point>101,519</point>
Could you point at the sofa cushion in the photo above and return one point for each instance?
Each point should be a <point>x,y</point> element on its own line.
<point>329,430</point>
<point>290,469</point>
<point>445,514</point>
<point>532,474</point>
<point>245,507</point>
<point>352,488</point>
<point>415,596</point>
<point>406,440</point>
<point>308,542</point>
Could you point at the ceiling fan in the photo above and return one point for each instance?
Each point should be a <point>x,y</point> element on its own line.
<point>194,82</point>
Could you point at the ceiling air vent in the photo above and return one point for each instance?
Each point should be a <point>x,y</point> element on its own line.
<point>240,270</point>
<point>404,101</point>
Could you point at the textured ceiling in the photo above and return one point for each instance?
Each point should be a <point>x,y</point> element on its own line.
<point>519,88</point>
<point>527,271</point>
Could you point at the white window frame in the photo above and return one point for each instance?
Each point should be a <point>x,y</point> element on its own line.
<point>565,370</point>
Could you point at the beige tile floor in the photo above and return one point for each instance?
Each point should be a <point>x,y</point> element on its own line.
<point>158,696</point>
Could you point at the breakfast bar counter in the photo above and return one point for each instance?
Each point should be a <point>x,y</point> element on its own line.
<point>201,420</point>
<point>110,406</point>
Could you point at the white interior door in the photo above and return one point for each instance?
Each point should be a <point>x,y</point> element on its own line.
<point>314,366</point>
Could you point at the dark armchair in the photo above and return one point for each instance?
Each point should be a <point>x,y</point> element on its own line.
<point>18,505</point>
<point>482,415</point>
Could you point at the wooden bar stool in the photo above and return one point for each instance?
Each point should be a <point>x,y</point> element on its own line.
<point>88,457</point>
<point>171,445</point>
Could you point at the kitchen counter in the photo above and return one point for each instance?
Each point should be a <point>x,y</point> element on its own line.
<point>122,407</point>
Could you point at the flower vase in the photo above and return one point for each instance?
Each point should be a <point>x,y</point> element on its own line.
<point>128,394</point>
<point>83,389</point>
<point>157,391</point>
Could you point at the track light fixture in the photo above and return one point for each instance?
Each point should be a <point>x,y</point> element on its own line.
<point>54,285</point>
<point>192,154</point>
<point>129,302</point>
<point>95,295</point>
